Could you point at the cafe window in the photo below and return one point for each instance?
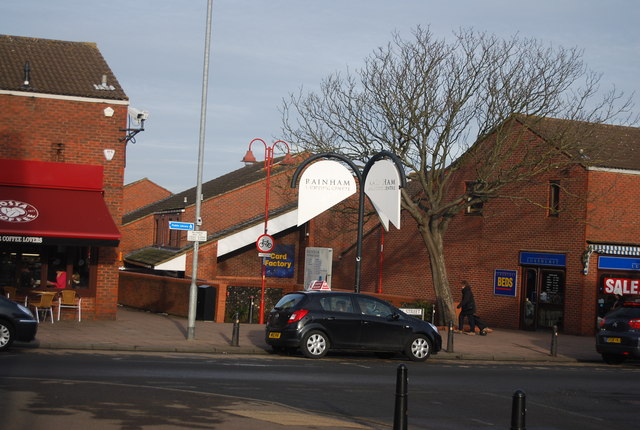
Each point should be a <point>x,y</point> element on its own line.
<point>474,208</point>
<point>49,267</point>
<point>554,198</point>
<point>164,237</point>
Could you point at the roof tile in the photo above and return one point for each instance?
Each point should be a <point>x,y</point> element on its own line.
<point>57,67</point>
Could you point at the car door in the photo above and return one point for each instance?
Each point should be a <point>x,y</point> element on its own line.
<point>340,320</point>
<point>382,327</point>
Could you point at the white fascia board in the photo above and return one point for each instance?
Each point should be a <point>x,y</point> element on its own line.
<point>614,170</point>
<point>178,263</point>
<point>251,234</point>
<point>67,98</point>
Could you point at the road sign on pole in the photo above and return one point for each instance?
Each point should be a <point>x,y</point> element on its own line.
<point>175,225</point>
<point>197,236</point>
<point>265,243</point>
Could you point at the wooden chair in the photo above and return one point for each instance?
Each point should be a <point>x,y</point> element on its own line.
<point>44,303</point>
<point>10,292</point>
<point>70,299</point>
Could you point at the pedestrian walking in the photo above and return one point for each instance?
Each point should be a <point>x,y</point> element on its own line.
<point>467,308</point>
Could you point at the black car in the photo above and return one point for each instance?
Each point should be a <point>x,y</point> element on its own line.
<point>619,334</point>
<point>318,321</point>
<point>16,323</point>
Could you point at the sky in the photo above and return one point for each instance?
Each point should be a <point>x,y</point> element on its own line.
<point>263,50</point>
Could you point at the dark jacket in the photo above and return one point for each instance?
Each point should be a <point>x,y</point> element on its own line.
<point>468,303</point>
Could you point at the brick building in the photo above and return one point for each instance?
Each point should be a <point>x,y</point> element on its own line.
<point>233,213</point>
<point>554,254</point>
<point>141,193</point>
<point>63,117</point>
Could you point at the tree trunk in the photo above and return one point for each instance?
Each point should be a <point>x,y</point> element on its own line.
<point>433,239</point>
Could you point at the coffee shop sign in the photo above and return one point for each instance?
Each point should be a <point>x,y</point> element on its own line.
<point>21,239</point>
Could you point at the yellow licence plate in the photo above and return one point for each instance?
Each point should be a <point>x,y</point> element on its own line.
<point>274,335</point>
<point>614,340</point>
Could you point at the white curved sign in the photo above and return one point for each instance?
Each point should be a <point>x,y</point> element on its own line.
<point>382,186</point>
<point>323,185</point>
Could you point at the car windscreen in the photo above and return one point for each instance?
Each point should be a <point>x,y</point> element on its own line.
<point>289,301</point>
<point>626,312</point>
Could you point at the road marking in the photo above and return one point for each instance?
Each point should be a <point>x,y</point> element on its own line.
<point>294,418</point>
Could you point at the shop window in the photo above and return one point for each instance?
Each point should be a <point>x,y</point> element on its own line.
<point>474,208</point>
<point>554,198</point>
<point>20,269</point>
<point>49,267</point>
<point>8,267</point>
<point>70,267</point>
<point>164,237</point>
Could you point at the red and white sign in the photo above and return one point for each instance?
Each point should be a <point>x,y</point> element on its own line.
<point>265,243</point>
<point>17,212</point>
<point>318,285</point>
<point>621,286</point>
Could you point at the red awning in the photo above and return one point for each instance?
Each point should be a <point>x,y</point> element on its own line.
<point>55,216</point>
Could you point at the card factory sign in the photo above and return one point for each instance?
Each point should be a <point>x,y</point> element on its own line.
<point>279,263</point>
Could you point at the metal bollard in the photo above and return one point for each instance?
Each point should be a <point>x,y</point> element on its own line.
<point>554,341</point>
<point>235,337</point>
<point>518,411</point>
<point>400,414</point>
<point>251,310</point>
<point>450,337</point>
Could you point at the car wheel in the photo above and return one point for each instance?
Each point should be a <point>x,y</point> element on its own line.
<point>418,348</point>
<point>613,358</point>
<point>6,335</point>
<point>315,344</point>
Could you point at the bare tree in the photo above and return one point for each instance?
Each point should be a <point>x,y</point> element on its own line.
<point>446,105</point>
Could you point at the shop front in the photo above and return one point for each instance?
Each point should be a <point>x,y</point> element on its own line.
<point>53,223</point>
<point>543,281</point>
<point>618,279</point>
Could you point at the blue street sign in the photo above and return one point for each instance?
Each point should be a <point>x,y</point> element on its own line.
<point>175,225</point>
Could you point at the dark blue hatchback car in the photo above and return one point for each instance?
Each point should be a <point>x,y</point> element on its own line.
<point>619,334</point>
<point>16,323</point>
<point>317,321</point>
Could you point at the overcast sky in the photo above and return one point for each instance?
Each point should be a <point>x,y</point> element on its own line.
<point>263,50</point>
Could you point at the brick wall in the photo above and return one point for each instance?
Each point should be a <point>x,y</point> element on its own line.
<point>77,132</point>
<point>141,193</point>
<point>477,245</point>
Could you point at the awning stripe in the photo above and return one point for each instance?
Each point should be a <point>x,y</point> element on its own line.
<point>615,249</point>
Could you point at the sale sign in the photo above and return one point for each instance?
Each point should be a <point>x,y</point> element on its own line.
<point>621,286</point>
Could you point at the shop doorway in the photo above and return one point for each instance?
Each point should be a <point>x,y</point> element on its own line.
<point>543,298</point>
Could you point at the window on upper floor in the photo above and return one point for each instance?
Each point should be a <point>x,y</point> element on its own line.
<point>474,208</point>
<point>554,198</point>
<point>165,237</point>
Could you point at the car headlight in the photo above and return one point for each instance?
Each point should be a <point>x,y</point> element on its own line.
<point>25,310</point>
<point>433,327</point>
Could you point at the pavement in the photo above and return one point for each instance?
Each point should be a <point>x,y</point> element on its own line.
<point>141,331</point>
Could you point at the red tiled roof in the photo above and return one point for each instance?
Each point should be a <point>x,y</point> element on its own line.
<point>56,67</point>
<point>599,145</point>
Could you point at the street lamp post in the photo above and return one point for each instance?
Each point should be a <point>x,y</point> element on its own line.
<point>269,151</point>
<point>193,288</point>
